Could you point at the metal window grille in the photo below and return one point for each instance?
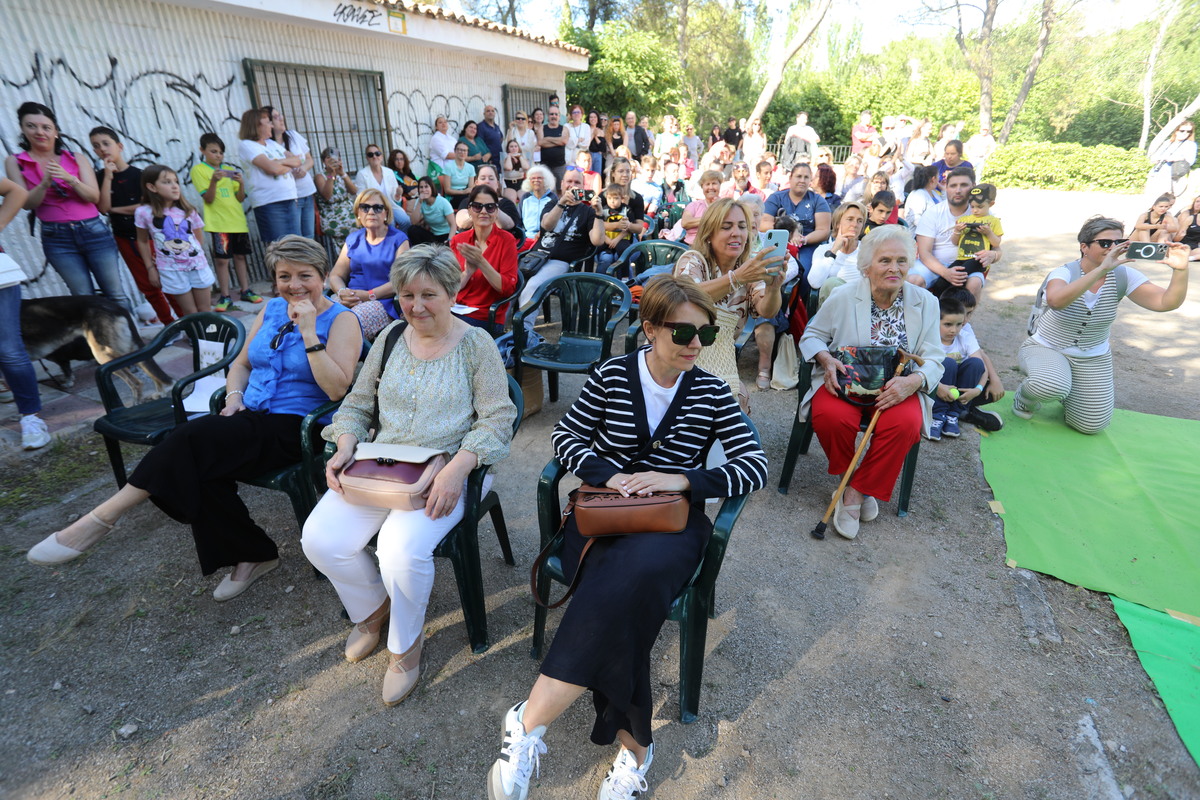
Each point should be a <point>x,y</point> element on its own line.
<point>523,98</point>
<point>340,108</point>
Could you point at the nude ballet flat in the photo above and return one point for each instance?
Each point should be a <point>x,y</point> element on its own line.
<point>49,552</point>
<point>229,588</point>
<point>364,636</point>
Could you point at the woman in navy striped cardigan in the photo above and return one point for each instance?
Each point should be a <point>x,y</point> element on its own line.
<point>641,424</point>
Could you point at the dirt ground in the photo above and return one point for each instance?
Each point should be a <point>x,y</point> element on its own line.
<point>909,663</point>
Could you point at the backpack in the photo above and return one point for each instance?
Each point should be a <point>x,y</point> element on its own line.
<point>1039,301</point>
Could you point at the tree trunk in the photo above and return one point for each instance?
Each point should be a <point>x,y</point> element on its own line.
<point>1174,122</point>
<point>1168,14</point>
<point>776,66</point>
<point>980,61</point>
<point>683,29</point>
<point>1014,111</point>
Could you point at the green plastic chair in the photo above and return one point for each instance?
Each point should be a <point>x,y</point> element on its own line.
<point>149,423</point>
<point>590,306</point>
<point>801,438</point>
<point>497,328</point>
<point>304,482</point>
<point>461,544</point>
<point>693,606</point>
<point>634,261</point>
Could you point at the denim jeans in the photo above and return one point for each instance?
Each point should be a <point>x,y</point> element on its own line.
<point>276,220</point>
<point>14,361</point>
<point>308,217</point>
<point>598,162</point>
<point>83,250</point>
<point>400,218</point>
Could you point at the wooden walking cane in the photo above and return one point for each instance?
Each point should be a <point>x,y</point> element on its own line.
<point>819,531</point>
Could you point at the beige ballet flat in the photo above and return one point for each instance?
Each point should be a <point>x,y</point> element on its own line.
<point>50,552</point>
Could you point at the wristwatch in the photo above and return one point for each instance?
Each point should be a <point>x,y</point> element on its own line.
<point>316,348</point>
<point>370,294</point>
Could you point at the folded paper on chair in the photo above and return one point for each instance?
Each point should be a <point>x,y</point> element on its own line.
<point>395,476</point>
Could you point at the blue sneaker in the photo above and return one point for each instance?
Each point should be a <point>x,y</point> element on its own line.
<point>935,430</point>
<point>950,426</point>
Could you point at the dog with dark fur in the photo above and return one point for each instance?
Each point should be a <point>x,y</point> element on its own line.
<point>81,328</point>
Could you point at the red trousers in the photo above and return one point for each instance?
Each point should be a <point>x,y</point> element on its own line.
<point>154,296</point>
<point>837,424</point>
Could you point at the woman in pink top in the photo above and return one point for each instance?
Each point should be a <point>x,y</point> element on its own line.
<point>62,194</point>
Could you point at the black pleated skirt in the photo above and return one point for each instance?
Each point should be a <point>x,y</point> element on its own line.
<point>614,617</point>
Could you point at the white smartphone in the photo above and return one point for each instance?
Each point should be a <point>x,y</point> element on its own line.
<point>776,240</point>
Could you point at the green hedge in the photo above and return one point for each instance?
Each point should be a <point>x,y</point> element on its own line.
<point>1046,165</point>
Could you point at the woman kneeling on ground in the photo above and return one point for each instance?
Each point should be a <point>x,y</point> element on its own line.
<point>300,353</point>
<point>1068,359</point>
<point>443,387</point>
<point>622,599</point>
<point>883,311</point>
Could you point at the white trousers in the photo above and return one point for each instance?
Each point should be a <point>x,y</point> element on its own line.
<point>335,537</point>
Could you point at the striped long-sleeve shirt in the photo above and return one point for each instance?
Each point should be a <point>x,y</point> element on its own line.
<point>605,429</point>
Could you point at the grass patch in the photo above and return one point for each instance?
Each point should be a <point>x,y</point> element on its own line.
<point>56,470</point>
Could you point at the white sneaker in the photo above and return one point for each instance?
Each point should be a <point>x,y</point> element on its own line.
<point>626,779</point>
<point>34,433</point>
<point>520,758</point>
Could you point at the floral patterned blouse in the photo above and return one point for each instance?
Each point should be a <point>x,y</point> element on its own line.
<point>337,213</point>
<point>887,325</point>
<point>742,301</point>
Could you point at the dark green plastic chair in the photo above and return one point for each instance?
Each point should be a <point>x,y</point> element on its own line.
<point>693,606</point>
<point>461,544</point>
<point>497,328</point>
<point>636,260</point>
<point>590,306</point>
<point>149,423</point>
<point>801,438</point>
<point>304,482</point>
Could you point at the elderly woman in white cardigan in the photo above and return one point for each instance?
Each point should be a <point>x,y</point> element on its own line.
<point>880,309</point>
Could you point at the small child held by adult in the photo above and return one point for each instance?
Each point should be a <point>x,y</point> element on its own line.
<point>977,232</point>
<point>1157,224</point>
<point>614,209</point>
<point>223,191</point>
<point>120,195</point>
<point>170,237</point>
<point>969,379</point>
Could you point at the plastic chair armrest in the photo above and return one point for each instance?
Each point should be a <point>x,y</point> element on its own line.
<point>549,508</point>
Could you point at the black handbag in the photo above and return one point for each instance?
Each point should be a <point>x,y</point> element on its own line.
<point>867,370</point>
<point>531,262</point>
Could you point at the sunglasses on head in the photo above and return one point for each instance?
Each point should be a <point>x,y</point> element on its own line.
<point>488,207</point>
<point>682,333</point>
<point>373,154</point>
<point>376,208</point>
<point>284,329</point>
<point>1107,243</point>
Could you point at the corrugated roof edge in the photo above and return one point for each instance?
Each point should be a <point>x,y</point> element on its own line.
<point>476,22</point>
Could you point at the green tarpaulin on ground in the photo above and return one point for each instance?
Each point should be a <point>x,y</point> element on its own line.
<point>1115,512</point>
<point>1170,652</point>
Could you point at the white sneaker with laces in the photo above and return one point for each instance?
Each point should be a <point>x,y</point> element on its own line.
<point>520,758</point>
<point>626,780</point>
<point>34,433</point>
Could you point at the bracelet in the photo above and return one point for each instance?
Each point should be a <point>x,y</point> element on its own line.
<point>231,394</point>
<point>979,387</point>
<point>732,286</point>
<point>370,294</point>
<point>316,348</point>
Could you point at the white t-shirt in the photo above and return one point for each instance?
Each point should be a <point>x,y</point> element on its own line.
<point>441,149</point>
<point>658,399</point>
<point>964,344</point>
<point>262,187</point>
<point>365,179</point>
<point>304,186</point>
<point>841,265</point>
<point>578,138</point>
<point>938,223</point>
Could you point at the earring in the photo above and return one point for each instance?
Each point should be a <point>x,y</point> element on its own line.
<point>651,340</point>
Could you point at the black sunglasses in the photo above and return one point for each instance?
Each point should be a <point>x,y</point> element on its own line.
<point>682,333</point>
<point>488,207</point>
<point>284,329</point>
<point>374,154</point>
<point>521,119</point>
<point>1107,243</point>
<point>369,207</point>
